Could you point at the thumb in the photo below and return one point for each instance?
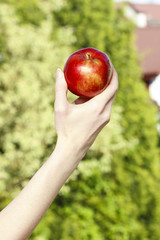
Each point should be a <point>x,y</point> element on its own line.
<point>60,88</point>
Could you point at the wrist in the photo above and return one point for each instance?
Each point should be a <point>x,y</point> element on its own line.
<point>67,154</point>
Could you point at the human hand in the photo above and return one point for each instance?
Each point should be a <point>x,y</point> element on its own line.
<point>78,124</point>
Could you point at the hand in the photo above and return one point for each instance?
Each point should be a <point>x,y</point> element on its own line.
<point>79,124</point>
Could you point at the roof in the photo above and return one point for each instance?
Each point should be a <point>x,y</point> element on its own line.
<point>148,46</point>
<point>151,10</point>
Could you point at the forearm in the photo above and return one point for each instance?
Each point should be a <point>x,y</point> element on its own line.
<point>21,216</point>
<point>78,126</point>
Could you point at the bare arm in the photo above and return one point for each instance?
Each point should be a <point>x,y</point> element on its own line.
<point>77,127</point>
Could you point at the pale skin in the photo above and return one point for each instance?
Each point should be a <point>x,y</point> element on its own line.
<point>77,126</point>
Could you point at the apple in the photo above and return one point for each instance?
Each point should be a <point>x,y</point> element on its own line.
<point>88,72</point>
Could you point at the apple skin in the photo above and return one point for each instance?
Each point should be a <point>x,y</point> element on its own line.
<point>88,72</point>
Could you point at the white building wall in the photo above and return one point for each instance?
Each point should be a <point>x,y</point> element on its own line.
<point>140,19</point>
<point>154,90</point>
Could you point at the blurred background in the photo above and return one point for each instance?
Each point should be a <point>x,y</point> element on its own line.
<point>114,194</point>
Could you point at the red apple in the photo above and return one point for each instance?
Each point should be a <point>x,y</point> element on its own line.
<point>88,72</point>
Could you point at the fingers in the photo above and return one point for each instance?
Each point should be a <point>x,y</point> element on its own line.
<point>102,103</point>
<point>98,103</point>
<point>110,91</point>
<point>60,89</point>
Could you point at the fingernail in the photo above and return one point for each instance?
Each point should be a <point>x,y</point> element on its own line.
<point>58,73</point>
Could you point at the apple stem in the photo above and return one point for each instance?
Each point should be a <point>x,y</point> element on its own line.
<point>88,56</point>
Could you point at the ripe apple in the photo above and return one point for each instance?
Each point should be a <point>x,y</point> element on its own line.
<point>88,72</point>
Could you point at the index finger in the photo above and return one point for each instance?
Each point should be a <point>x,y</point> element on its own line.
<point>109,92</point>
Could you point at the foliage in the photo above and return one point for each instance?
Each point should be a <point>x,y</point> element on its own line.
<point>27,95</point>
<point>90,21</point>
<point>96,24</point>
<point>114,192</point>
